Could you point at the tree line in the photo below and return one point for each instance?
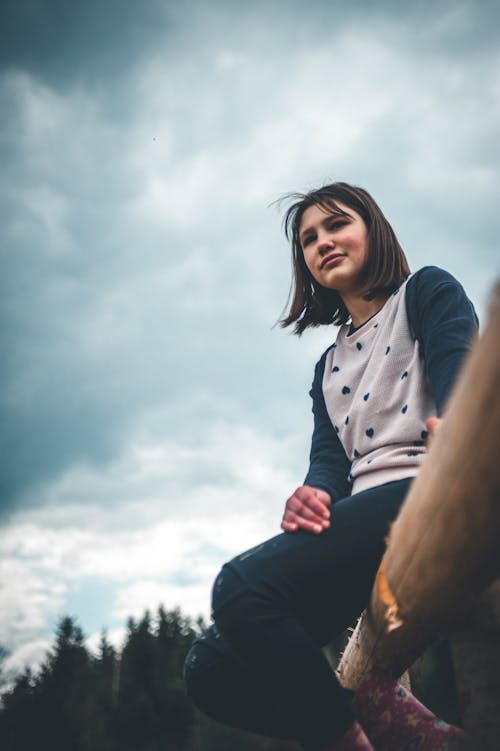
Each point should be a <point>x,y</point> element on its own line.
<point>131,699</point>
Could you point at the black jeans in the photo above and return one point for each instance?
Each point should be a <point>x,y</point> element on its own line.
<point>260,666</point>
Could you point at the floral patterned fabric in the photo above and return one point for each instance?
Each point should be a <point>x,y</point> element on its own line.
<point>394,720</point>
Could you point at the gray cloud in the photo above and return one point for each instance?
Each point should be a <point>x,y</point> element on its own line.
<point>144,270</point>
<point>145,396</point>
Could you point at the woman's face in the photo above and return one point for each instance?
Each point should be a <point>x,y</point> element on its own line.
<point>335,247</point>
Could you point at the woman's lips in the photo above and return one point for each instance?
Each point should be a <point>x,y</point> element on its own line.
<point>332,260</point>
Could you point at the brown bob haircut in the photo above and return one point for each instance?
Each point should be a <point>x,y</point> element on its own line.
<point>310,304</point>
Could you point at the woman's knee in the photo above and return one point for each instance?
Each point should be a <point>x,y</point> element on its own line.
<point>235,606</point>
<point>228,591</point>
<point>200,666</point>
<point>193,673</point>
<point>212,675</point>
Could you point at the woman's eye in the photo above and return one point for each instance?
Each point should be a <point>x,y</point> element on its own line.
<point>337,225</point>
<point>307,241</point>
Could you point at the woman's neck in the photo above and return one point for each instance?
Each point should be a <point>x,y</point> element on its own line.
<point>361,310</point>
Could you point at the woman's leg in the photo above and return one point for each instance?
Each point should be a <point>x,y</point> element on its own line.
<point>223,688</point>
<point>276,604</point>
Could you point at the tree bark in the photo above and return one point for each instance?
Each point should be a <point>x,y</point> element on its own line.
<point>443,549</point>
<point>476,658</point>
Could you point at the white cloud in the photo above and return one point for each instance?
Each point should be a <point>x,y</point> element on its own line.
<point>116,637</point>
<point>225,460</point>
<point>28,596</point>
<point>31,654</point>
<point>143,594</point>
<point>157,545</point>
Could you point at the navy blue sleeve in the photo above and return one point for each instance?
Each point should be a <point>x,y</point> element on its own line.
<point>329,466</point>
<point>443,320</point>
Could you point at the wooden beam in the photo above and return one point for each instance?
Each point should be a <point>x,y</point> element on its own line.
<point>475,649</point>
<point>444,548</point>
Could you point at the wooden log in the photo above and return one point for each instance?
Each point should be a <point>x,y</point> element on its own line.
<point>476,657</point>
<point>444,547</point>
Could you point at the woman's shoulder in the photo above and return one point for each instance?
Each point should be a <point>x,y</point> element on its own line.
<point>432,293</point>
<point>320,365</point>
<point>428,278</point>
<point>423,285</point>
<point>319,368</point>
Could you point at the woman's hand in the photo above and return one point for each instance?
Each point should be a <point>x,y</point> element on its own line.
<point>433,424</point>
<point>307,509</point>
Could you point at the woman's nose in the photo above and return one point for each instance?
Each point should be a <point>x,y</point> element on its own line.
<point>325,242</point>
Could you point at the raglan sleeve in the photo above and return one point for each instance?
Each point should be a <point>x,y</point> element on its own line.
<point>329,466</point>
<point>444,321</point>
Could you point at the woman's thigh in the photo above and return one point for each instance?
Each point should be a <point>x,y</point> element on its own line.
<point>324,580</point>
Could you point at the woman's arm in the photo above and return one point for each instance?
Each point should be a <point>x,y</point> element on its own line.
<point>329,466</point>
<point>327,477</point>
<point>443,320</point>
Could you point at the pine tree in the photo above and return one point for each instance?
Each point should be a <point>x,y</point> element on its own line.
<point>135,701</point>
<point>64,690</point>
<point>137,721</point>
<point>175,635</point>
<point>17,726</point>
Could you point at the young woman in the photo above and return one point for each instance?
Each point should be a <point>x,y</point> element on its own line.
<point>376,392</point>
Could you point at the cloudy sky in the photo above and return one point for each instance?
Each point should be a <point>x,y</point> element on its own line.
<point>153,420</point>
